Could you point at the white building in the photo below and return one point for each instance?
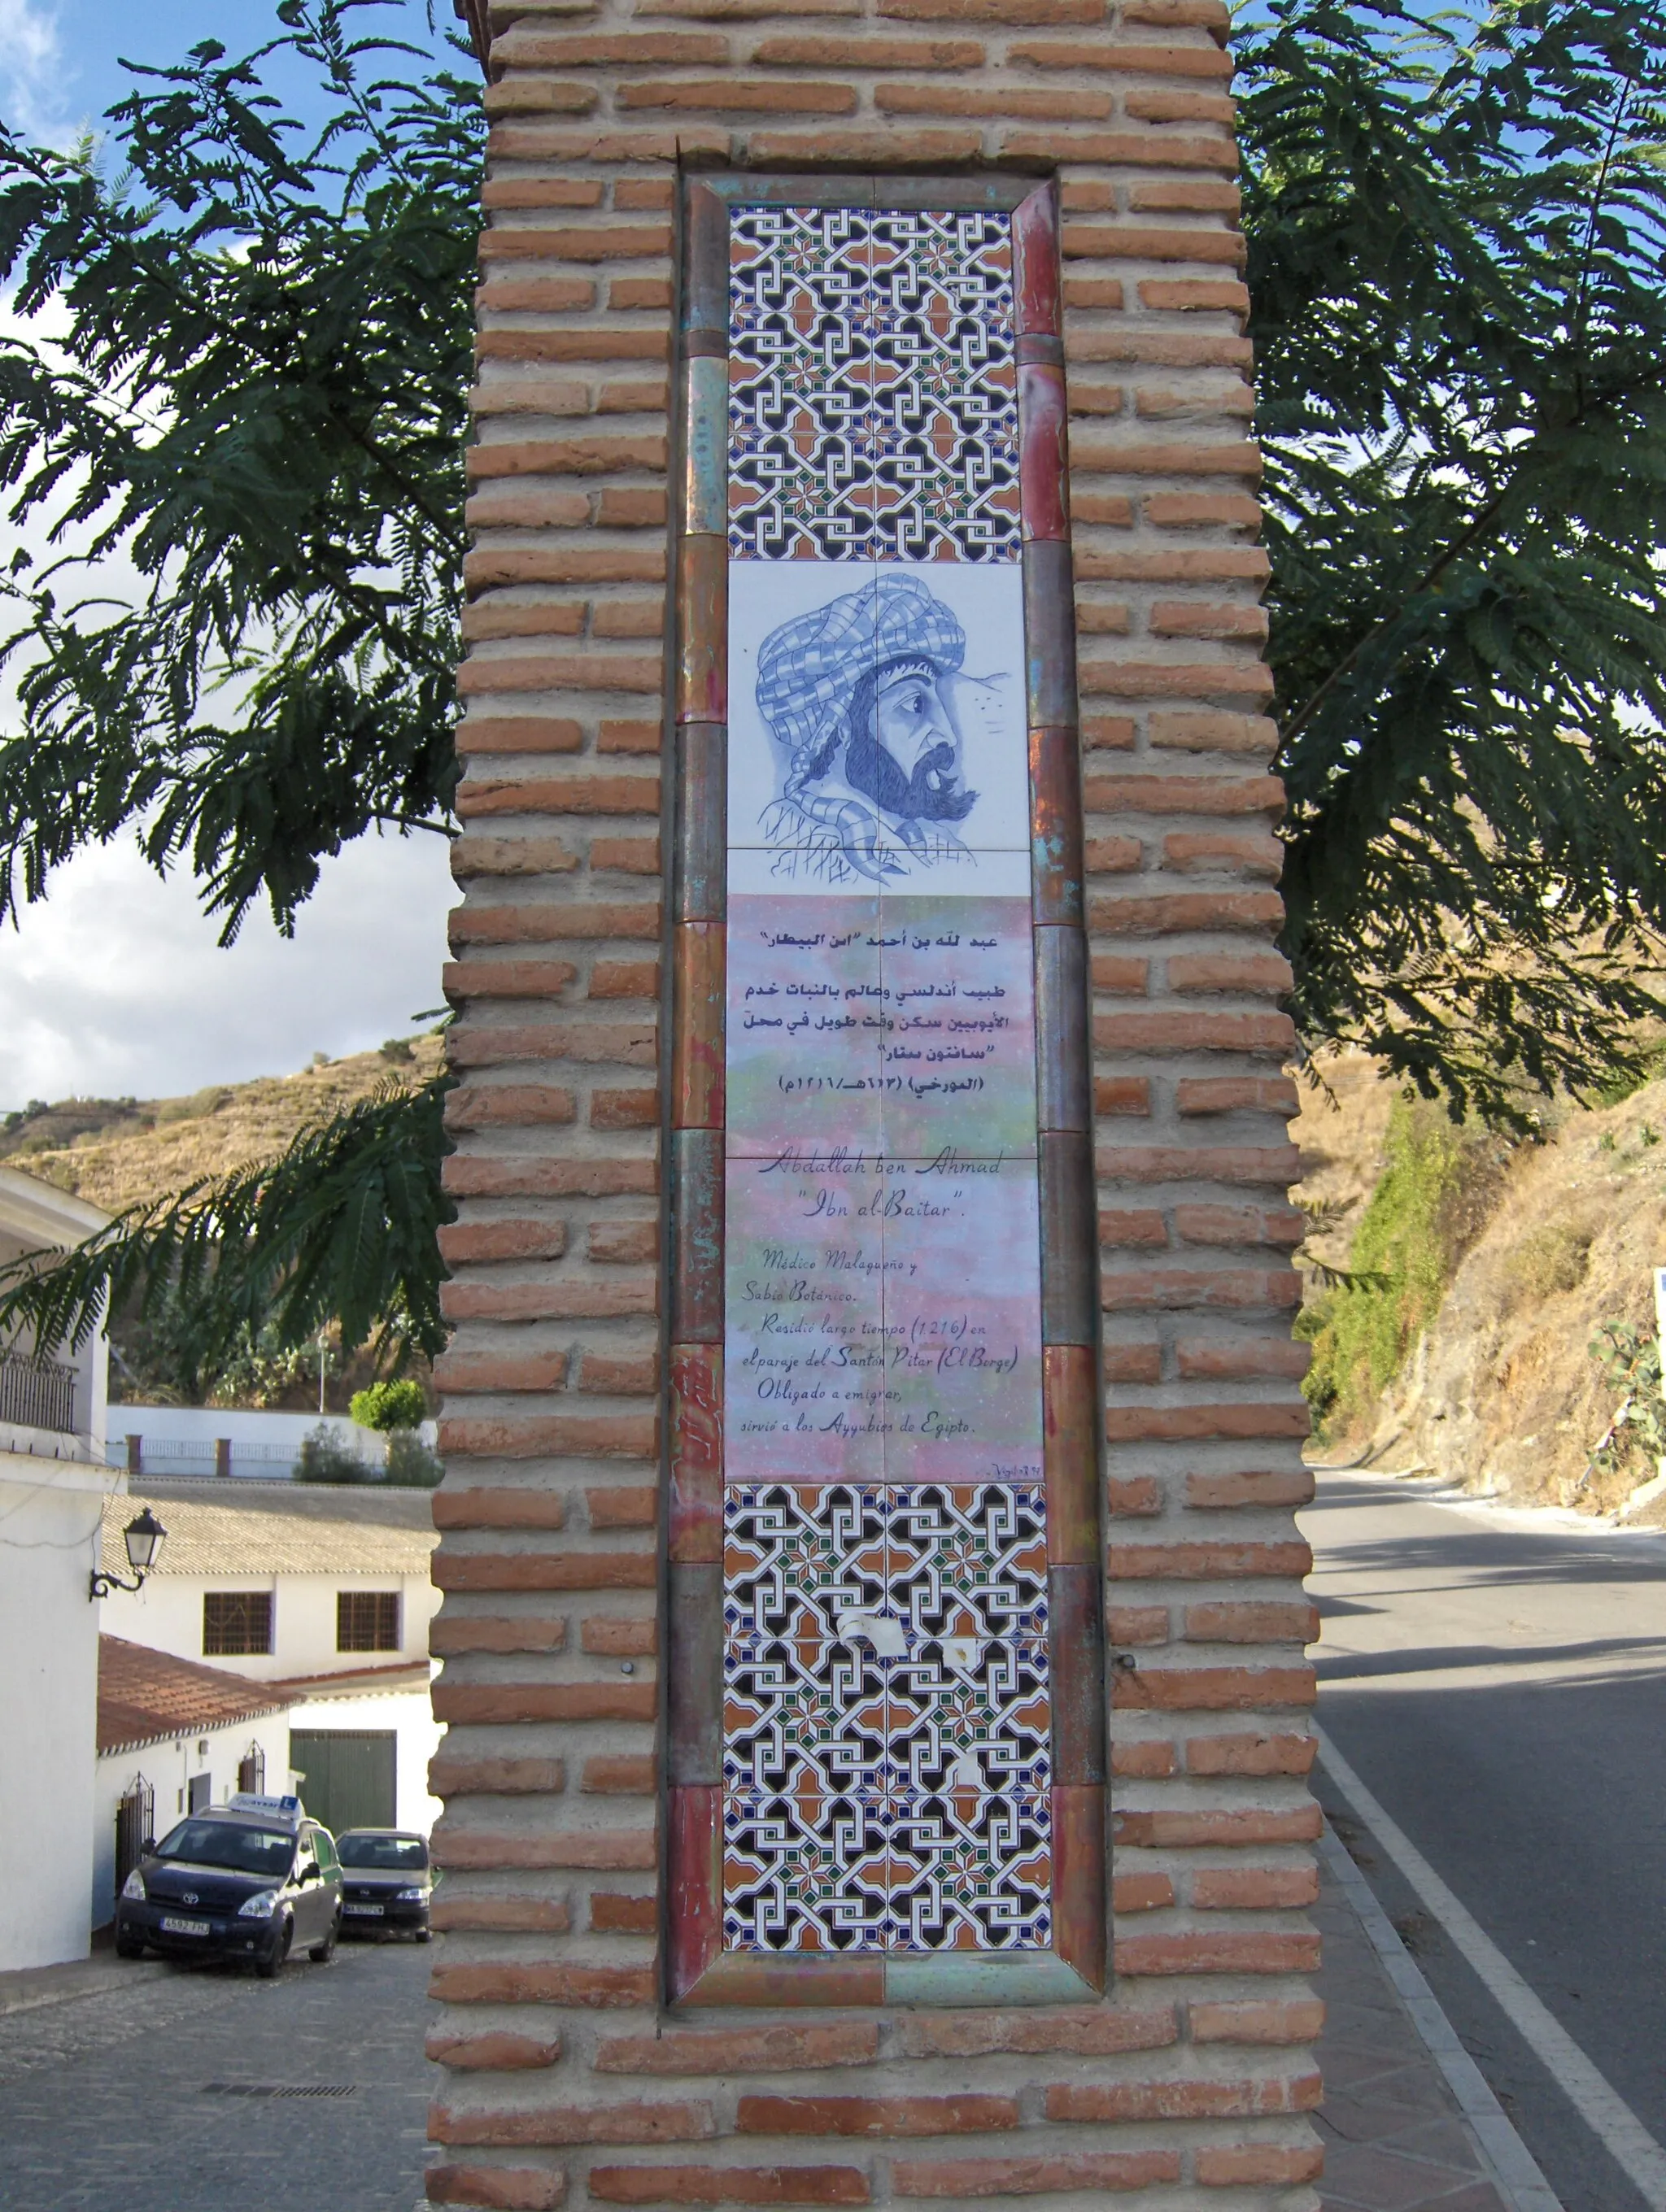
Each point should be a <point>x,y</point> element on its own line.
<point>53,1482</point>
<point>323,1594</point>
<point>174,1737</point>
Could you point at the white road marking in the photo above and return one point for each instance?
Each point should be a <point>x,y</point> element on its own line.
<point>1604,2112</point>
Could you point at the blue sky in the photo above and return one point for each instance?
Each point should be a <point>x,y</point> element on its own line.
<point>114,985</point>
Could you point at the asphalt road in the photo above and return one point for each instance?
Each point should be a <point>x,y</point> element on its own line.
<point>129,2102</point>
<point>1498,1681</point>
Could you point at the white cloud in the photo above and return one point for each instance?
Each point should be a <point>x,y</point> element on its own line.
<point>31,68</point>
<point>114,985</point>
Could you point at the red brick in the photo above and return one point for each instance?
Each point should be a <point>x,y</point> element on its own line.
<point>1227,1952</point>
<point>1142,914</point>
<point>462,1243</point>
<point>613,1849</point>
<point>1227,2166</point>
<point>1184,1831</point>
<point>484,1508</point>
<point>620,1774</point>
<point>482,1703</point>
<point>1229,971</point>
<point>474,1106</point>
<point>1086,2031</point>
<point>1125,1229</point>
<point>1182,2101</point>
<point>1271,1486</point>
<point>1189,293</point>
<point>1179,107</point>
<point>541,1983</point>
<point>738,94</point>
<point>540,1435</point>
<point>608,1639</point>
<point>665,2122</point>
<point>449,1776</point>
<point>488,1371</point>
<point>1251,1753</point>
<point>1193,618</point>
<point>1183,794</point>
<point>1144,1288</point>
<point>1141,1892</point>
<point>559,242</point>
<point>1210,1689</point>
<point>497,2052</point>
<point>501,1915</point>
<point>1121,1094</point>
<point>1214,1358</point>
<point>624,1109</point>
<point>625,1507</point>
<point>500,2188</point>
<point>1239,1225</point>
<point>637,1377</point>
<point>1133,1362</point>
<point>774,2049</point>
<point>1207,1562</point>
<point>821,52</point>
<point>1253,1889</point>
<point>612,1913</point>
<point>1236,1094</point>
<point>920,148</point>
<point>1140,1760</point>
<point>962,2114</point>
<point>1068,104</point>
<point>1190,1423</point>
<point>998,11</point>
<point>476,1175</point>
<point>1151,1029</point>
<point>454,1633</point>
<point>581,455</point>
<point>625,979</point>
<point>624,1243</point>
<point>1147,59</point>
<point>1137,1624</point>
<point>1259,2020</point>
<point>543,924</point>
<point>630,856</point>
<point>1296,1623</point>
<point>964,2177</point>
<point>1133,1497</point>
<point>728,2184</point>
<point>1113,971</point>
<point>1112,856</point>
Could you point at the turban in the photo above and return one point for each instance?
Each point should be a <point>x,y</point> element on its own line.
<point>808,668</point>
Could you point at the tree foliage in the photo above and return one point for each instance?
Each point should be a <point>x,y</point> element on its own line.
<point>1455,227</point>
<point>1456,230</point>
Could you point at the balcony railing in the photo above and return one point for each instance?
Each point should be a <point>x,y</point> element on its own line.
<point>36,1394</point>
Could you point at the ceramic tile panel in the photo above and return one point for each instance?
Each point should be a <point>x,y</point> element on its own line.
<point>887,1751</point>
<point>872,398</point>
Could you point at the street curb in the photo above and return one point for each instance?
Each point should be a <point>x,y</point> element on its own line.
<point>1510,2166</point>
<point>28,1989</point>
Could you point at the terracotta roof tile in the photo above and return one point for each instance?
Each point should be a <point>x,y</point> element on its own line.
<point>145,1696</point>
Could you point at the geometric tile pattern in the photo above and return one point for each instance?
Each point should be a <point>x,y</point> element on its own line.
<point>872,396</point>
<point>886,1719</point>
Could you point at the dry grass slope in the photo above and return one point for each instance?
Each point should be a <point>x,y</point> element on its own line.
<point>166,1144</point>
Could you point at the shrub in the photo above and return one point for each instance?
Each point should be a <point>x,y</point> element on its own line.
<point>324,1458</point>
<point>410,1464</point>
<point>387,1406</point>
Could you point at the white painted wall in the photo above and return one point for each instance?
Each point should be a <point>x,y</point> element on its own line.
<point>412,1714</point>
<point>34,1217</point>
<point>167,1767</point>
<point>49,1520</point>
<point>180,1439</point>
<point>166,1614</point>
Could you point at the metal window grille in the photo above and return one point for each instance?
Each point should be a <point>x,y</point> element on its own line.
<point>135,1822</point>
<point>37,1393</point>
<point>236,1622</point>
<point>366,1620</point>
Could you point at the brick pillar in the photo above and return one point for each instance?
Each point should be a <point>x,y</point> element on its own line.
<point>567,2075</point>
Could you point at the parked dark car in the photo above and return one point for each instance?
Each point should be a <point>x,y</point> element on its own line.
<point>248,1881</point>
<point>385,1881</point>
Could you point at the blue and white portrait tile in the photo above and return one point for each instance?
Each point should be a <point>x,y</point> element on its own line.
<point>876,735</point>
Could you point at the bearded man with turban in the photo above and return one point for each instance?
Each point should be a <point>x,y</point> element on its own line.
<point>858,698</point>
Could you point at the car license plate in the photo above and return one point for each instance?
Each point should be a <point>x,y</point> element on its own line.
<point>173,1926</point>
<point>370,1912</point>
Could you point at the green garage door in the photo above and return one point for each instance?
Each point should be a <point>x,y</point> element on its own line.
<point>349,1775</point>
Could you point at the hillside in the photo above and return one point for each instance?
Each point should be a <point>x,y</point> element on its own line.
<point>119,1152</point>
<point>1484,1269</point>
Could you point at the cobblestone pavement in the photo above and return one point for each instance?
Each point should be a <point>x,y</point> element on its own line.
<point>105,2099</point>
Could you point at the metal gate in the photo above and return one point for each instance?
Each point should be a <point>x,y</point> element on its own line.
<point>348,1776</point>
<point>136,1824</point>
